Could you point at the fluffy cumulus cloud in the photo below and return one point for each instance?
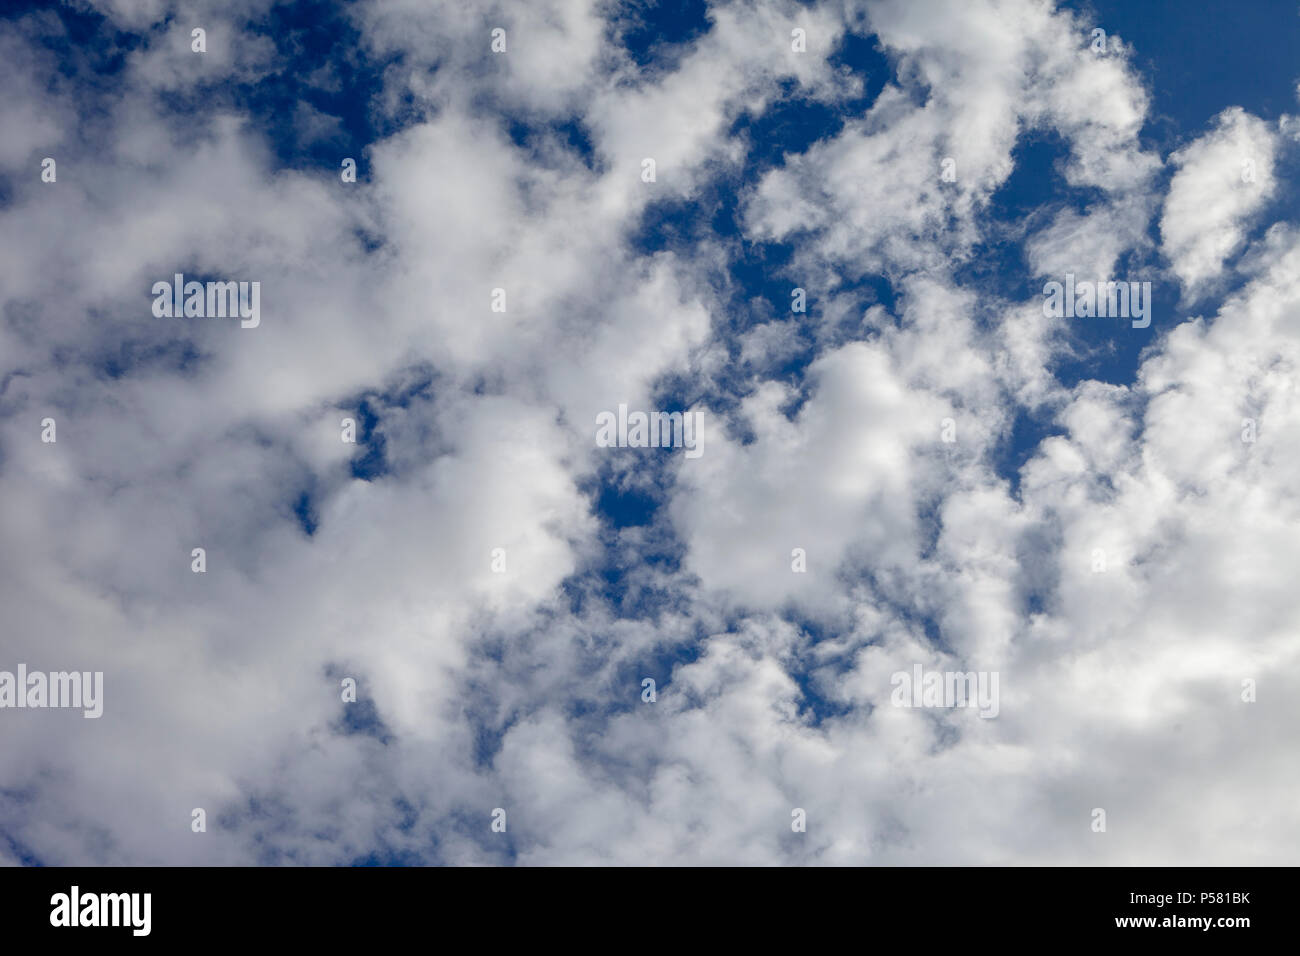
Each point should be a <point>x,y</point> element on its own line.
<point>908,465</point>
<point>1222,179</point>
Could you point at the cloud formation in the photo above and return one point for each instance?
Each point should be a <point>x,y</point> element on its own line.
<point>497,584</point>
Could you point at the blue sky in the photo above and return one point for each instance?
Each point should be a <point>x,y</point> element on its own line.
<point>499,584</point>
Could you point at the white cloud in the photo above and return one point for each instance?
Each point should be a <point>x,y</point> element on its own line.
<point>1120,688</point>
<point>1222,179</point>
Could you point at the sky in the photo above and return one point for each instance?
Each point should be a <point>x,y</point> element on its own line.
<point>837,263</point>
